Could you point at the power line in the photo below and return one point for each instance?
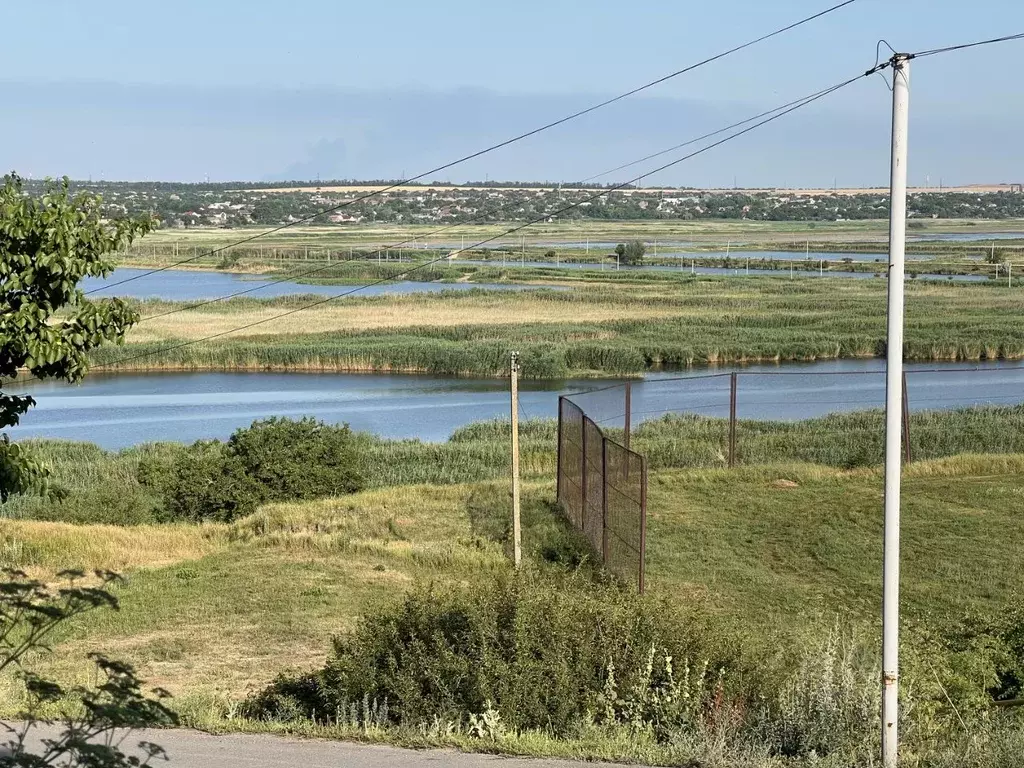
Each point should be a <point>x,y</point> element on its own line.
<point>500,145</point>
<point>690,141</point>
<point>947,49</point>
<point>544,217</point>
<point>479,217</point>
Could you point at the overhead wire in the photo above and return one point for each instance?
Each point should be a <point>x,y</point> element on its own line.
<point>962,46</point>
<point>798,105</point>
<point>479,217</point>
<point>494,147</point>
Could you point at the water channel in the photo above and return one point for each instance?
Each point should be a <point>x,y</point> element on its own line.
<point>195,285</point>
<point>118,410</point>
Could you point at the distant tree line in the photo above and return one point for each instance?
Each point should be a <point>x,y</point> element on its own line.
<point>244,203</point>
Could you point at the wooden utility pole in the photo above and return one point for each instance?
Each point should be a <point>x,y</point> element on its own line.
<point>517,544</point>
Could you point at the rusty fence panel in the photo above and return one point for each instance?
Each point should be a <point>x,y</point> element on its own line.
<point>625,513</point>
<point>571,469</point>
<point>602,491</point>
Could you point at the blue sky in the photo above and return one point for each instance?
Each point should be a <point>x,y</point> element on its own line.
<point>257,89</point>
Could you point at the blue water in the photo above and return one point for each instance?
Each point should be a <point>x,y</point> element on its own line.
<point>186,285</point>
<point>118,410</point>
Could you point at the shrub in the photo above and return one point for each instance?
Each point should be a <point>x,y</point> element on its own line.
<point>538,651</point>
<point>205,482</point>
<point>273,460</point>
<point>830,703</point>
<point>302,459</point>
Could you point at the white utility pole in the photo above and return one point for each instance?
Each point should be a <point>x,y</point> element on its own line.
<point>517,544</point>
<point>894,411</point>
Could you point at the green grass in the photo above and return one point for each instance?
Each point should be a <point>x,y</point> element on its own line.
<point>98,486</point>
<point>216,619</point>
<point>762,552</point>
<point>767,544</point>
<point>623,326</point>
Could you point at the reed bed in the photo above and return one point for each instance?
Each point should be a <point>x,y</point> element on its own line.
<point>598,329</point>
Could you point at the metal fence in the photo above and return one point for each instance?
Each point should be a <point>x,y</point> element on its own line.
<point>833,417</point>
<point>602,491</point>
<point>760,415</point>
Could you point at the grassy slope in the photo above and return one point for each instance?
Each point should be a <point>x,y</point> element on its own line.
<point>765,551</point>
<point>222,608</point>
<point>612,327</point>
<point>212,611</point>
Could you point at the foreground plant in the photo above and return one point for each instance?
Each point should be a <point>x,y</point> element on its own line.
<point>76,727</point>
<point>47,326</point>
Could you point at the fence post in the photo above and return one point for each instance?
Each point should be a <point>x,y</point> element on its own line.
<point>907,455</point>
<point>643,523</point>
<point>517,543</point>
<point>583,470</point>
<point>604,501</point>
<point>558,455</point>
<point>732,419</point>
<point>629,409</point>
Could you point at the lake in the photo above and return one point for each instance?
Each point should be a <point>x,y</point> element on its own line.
<point>118,410</point>
<point>193,285</point>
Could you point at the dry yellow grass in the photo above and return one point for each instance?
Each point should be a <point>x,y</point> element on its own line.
<point>395,312</point>
<point>271,590</point>
<point>43,548</point>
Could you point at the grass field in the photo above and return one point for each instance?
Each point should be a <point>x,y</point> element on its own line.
<point>213,611</point>
<point>779,552</point>
<point>613,324</point>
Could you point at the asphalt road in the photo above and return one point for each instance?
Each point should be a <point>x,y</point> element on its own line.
<point>192,749</point>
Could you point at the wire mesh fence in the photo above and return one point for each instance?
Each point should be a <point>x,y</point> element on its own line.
<point>602,491</point>
<point>608,437</point>
<point>834,418</point>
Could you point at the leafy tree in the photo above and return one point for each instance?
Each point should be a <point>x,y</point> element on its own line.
<point>91,726</point>
<point>632,252</point>
<point>47,326</point>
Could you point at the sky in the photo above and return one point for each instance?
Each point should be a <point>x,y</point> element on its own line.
<point>265,90</point>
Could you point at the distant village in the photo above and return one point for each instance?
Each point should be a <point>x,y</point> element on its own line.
<point>218,205</point>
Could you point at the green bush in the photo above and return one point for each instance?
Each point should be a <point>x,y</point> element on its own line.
<point>206,482</point>
<point>273,460</point>
<point>302,459</point>
<point>539,651</point>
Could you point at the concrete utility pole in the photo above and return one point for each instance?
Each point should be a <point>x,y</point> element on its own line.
<point>894,411</point>
<point>517,544</point>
